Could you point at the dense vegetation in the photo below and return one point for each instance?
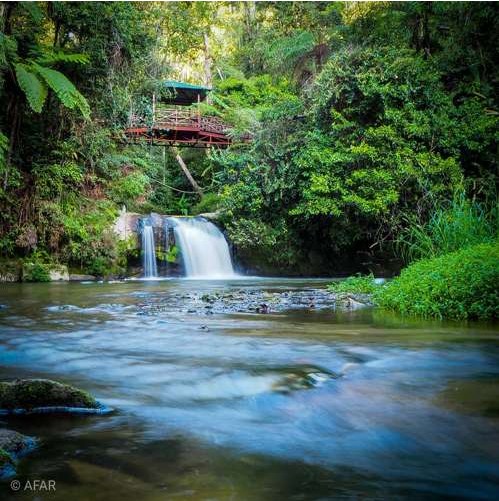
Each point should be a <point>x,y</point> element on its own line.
<point>368,120</point>
<point>459,285</point>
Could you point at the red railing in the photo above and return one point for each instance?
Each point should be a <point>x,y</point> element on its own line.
<point>182,120</point>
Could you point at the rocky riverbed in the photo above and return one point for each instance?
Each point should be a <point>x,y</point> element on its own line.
<point>253,301</point>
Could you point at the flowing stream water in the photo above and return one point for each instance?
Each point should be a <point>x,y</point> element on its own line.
<point>203,248</point>
<point>306,403</point>
<point>149,264</point>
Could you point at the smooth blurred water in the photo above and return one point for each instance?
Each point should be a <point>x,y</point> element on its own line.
<point>296,405</point>
<point>203,247</point>
<point>149,266</point>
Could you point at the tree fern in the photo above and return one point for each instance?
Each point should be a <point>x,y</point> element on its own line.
<point>34,88</point>
<point>50,57</point>
<point>67,93</point>
<point>4,146</point>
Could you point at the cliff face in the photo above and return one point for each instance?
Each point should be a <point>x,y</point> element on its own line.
<point>126,225</point>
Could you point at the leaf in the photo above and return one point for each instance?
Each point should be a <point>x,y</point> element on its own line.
<point>34,88</point>
<point>64,89</point>
<point>52,57</point>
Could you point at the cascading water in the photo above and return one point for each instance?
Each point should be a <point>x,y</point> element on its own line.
<point>205,251</point>
<point>148,251</point>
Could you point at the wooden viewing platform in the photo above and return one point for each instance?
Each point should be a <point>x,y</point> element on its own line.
<point>179,127</point>
<point>182,124</point>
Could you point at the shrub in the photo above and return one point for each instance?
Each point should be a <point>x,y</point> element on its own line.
<point>462,224</point>
<point>458,285</point>
<point>36,268</point>
<point>209,203</point>
<point>36,272</point>
<point>360,284</point>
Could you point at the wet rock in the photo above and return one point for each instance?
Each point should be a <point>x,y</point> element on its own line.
<point>10,271</point>
<point>254,301</point>
<point>303,378</point>
<point>43,395</point>
<point>13,445</point>
<point>353,301</point>
<point>59,273</point>
<point>75,277</point>
<point>263,308</point>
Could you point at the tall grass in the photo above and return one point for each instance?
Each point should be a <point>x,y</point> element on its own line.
<point>462,224</point>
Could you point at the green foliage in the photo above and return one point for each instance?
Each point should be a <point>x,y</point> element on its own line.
<point>126,189</point>
<point>365,119</point>
<point>87,237</point>
<point>172,254</point>
<point>36,268</point>
<point>4,146</point>
<point>63,88</point>
<point>35,79</point>
<point>360,284</point>
<point>209,203</point>
<point>462,224</point>
<point>34,89</point>
<point>458,285</point>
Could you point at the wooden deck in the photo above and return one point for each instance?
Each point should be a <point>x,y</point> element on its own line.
<point>174,127</point>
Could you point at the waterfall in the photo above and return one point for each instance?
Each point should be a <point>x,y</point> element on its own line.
<point>205,251</point>
<point>148,251</point>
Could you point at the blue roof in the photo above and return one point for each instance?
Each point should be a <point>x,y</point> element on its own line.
<point>173,84</point>
<point>184,93</point>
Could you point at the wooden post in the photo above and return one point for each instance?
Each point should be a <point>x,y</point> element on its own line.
<point>199,115</point>
<point>187,173</point>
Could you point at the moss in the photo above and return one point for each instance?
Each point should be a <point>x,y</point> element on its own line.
<point>10,270</point>
<point>30,393</point>
<point>5,459</point>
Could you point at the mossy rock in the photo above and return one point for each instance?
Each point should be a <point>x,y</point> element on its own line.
<point>12,446</point>
<point>10,271</point>
<point>29,394</point>
<point>6,460</point>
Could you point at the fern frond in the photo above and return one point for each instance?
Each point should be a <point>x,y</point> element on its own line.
<point>8,49</point>
<point>64,89</point>
<point>286,51</point>
<point>49,57</point>
<point>34,88</point>
<point>4,145</point>
<point>33,10</point>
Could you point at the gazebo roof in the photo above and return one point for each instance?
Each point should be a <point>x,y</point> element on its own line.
<point>183,93</point>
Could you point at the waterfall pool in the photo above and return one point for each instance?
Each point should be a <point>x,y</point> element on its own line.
<point>301,404</point>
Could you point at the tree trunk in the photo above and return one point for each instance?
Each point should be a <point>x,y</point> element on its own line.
<point>12,140</point>
<point>188,175</point>
<point>208,78</point>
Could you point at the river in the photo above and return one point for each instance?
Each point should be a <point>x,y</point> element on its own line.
<point>298,404</point>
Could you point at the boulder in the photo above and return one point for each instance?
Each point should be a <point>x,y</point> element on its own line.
<point>75,277</point>
<point>59,273</point>
<point>12,446</point>
<point>211,216</point>
<point>43,395</point>
<point>10,271</point>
